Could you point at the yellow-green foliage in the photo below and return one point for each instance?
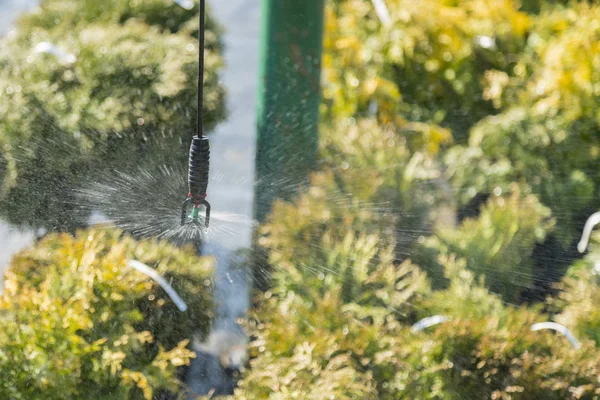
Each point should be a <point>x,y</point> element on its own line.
<point>497,244</point>
<point>487,349</point>
<point>62,16</point>
<point>355,193</point>
<point>320,340</point>
<point>498,358</point>
<point>430,55</point>
<point>464,297</point>
<point>335,335</point>
<point>579,293</point>
<point>336,323</point>
<point>459,159</point>
<point>388,173</point>
<point>458,64</point>
<point>77,322</point>
<point>128,100</point>
<point>544,134</point>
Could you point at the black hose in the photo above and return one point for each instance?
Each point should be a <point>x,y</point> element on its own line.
<point>201,67</point>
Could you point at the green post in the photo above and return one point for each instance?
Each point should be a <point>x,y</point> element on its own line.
<point>288,98</point>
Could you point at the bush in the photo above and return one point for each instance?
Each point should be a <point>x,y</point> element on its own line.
<point>317,339</point>
<point>512,84</point>
<point>415,69</point>
<point>127,101</point>
<point>61,16</point>
<point>457,142</point>
<point>332,327</point>
<point>79,323</point>
<point>499,359</point>
<point>498,244</point>
<point>575,306</point>
<point>336,323</point>
<point>543,134</point>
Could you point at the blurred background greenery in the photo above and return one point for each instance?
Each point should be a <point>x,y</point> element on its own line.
<point>128,102</point>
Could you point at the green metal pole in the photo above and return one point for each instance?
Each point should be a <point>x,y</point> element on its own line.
<point>288,98</point>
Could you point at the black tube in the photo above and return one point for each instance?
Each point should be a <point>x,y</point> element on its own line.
<point>201,68</point>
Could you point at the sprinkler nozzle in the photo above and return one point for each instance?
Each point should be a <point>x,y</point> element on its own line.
<point>194,214</point>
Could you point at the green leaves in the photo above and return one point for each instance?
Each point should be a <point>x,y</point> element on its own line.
<point>79,323</point>
<point>432,54</point>
<point>458,160</point>
<point>498,244</point>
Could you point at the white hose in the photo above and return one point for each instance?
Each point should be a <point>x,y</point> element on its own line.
<point>427,322</point>
<point>50,48</point>
<point>186,4</point>
<point>558,328</point>
<point>592,221</point>
<point>150,272</point>
<point>382,12</point>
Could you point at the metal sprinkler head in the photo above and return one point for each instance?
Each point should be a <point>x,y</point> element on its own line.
<point>199,161</point>
<point>193,216</point>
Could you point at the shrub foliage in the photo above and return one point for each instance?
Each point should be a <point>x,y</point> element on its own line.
<point>459,161</point>
<point>79,323</point>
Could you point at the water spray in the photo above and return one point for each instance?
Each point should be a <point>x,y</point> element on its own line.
<point>199,157</point>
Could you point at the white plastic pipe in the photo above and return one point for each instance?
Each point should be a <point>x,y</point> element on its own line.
<point>150,272</point>
<point>187,4</point>
<point>427,322</point>
<point>558,328</point>
<point>50,48</point>
<point>382,12</point>
<point>592,221</point>
<point>486,42</point>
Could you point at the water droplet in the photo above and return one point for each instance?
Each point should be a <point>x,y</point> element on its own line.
<point>140,121</point>
<point>497,190</point>
<point>485,42</point>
